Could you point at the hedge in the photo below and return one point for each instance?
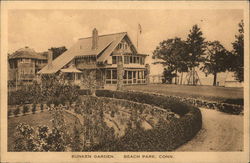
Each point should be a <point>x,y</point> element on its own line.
<point>165,138</point>
<point>149,98</point>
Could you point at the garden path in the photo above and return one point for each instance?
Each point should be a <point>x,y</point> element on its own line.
<point>220,132</point>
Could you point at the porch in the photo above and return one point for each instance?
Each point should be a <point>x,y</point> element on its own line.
<point>130,76</point>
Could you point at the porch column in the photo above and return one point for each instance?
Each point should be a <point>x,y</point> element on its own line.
<point>120,73</point>
<point>147,73</point>
<point>127,76</point>
<point>111,79</point>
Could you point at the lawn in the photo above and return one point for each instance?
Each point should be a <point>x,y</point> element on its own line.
<point>35,120</point>
<point>219,94</point>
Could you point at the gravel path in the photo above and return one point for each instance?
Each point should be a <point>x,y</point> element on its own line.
<point>220,132</point>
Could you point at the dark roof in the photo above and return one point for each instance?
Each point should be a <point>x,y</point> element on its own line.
<point>27,53</point>
<point>83,47</point>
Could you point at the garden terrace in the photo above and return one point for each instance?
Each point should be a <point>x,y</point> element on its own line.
<point>128,122</point>
<point>164,136</point>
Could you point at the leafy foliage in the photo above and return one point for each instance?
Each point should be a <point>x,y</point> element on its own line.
<point>33,108</point>
<point>89,81</point>
<point>17,111</point>
<point>24,138</point>
<point>196,46</point>
<point>25,109</point>
<point>237,59</point>
<point>54,89</point>
<point>171,53</point>
<point>57,51</point>
<point>216,59</point>
<point>44,138</point>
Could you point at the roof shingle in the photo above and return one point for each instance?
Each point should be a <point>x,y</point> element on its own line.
<point>83,47</point>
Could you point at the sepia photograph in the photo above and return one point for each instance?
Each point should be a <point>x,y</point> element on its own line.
<point>117,82</point>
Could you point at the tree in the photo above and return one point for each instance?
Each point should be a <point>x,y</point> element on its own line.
<point>172,54</point>
<point>196,47</point>
<point>237,59</point>
<point>216,59</point>
<point>57,51</point>
<point>89,81</point>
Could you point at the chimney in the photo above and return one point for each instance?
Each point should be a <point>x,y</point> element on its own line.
<point>94,39</point>
<point>50,58</point>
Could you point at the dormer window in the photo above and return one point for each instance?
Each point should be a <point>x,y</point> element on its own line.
<point>122,45</point>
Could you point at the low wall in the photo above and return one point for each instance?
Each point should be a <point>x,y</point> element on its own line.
<point>220,106</point>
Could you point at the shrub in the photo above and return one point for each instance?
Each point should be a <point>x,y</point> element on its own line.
<point>17,111</point>
<point>34,108</point>
<point>53,88</point>
<point>9,112</point>
<point>41,107</point>
<point>112,114</point>
<point>24,140</point>
<point>25,109</point>
<point>164,102</point>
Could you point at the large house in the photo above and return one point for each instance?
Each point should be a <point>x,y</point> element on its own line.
<point>23,65</point>
<point>102,54</point>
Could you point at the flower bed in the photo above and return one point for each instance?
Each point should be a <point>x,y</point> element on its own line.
<point>162,137</point>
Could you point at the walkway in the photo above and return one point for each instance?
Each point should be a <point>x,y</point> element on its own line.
<point>220,132</point>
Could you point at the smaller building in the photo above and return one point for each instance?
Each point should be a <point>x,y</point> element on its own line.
<point>24,64</point>
<point>231,81</point>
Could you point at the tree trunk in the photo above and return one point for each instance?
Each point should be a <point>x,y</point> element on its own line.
<point>215,78</point>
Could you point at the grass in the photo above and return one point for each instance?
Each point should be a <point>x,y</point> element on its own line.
<point>219,94</point>
<point>35,120</point>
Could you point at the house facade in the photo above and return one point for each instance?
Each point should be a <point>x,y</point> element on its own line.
<point>108,56</point>
<point>24,64</point>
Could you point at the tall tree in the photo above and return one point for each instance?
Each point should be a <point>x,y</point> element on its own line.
<point>196,46</point>
<point>172,54</point>
<point>215,60</point>
<point>57,51</point>
<point>237,64</point>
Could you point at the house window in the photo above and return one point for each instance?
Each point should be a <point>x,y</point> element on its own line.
<point>114,74</point>
<point>24,60</point>
<point>143,61</point>
<point>114,61</point>
<point>79,76</point>
<point>111,76</point>
<point>122,45</point>
<point>126,59</point>
<point>108,74</point>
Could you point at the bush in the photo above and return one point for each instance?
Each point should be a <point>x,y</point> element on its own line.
<point>17,111</point>
<point>164,102</point>
<point>25,109</point>
<point>9,113</point>
<point>52,88</point>
<point>34,108</point>
<point>41,107</point>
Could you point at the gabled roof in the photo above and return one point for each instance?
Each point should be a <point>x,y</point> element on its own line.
<point>27,53</point>
<point>83,47</point>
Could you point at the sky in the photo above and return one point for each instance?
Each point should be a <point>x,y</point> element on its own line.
<point>43,29</point>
